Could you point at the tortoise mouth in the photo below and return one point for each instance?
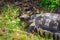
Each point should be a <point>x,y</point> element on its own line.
<point>47,23</point>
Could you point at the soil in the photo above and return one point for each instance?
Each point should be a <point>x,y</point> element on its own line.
<point>28,5</point>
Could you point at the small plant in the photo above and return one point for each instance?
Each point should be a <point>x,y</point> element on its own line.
<point>50,4</point>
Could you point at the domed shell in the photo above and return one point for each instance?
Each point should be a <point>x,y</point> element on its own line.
<point>49,22</point>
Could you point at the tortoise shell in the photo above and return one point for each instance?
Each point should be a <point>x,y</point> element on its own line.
<point>45,23</point>
<point>49,22</point>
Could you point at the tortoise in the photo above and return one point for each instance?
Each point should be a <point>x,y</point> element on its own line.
<point>44,24</point>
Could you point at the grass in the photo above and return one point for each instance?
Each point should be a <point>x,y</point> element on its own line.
<point>12,28</point>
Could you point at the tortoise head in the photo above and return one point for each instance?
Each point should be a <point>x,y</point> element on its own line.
<point>25,17</point>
